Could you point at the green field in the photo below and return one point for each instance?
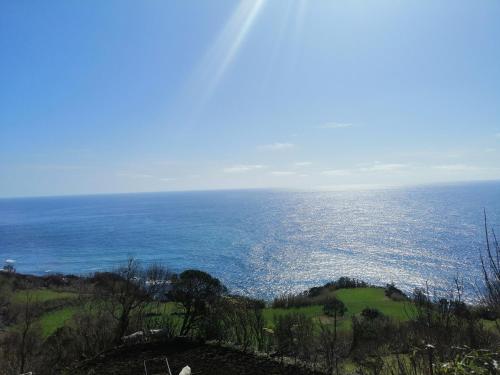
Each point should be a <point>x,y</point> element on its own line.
<point>313,311</point>
<point>41,295</point>
<point>358,299</point>
<point>53,320</point>
<point>355,300</point>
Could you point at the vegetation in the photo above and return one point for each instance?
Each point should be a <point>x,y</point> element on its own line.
<point>490,262</point>
<point>198,293</point>
<point>43,295</point>
<point>53,320</point>
<point>343,327</point>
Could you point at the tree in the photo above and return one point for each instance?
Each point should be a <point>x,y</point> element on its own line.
<point>125,292</point>
<point>196,291</point>
<point>294,335</point>
<point>490,263</point>
<point>9,267</point>
<point>5,300</point>
<point>336,309</point>
<point>22,344</point>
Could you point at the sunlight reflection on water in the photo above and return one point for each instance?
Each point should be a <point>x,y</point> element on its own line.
<point>261,243</point>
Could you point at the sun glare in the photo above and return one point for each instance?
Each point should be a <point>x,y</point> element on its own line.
<point>223,51</point>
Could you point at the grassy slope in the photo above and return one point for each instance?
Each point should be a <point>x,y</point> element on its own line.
<point>53,320</point>
<point>42,295</point>
<point>311,311</point>
<point>358,299</point>
<point>355,300</point>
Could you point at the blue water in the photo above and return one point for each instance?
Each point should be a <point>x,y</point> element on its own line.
<point>260,242</point>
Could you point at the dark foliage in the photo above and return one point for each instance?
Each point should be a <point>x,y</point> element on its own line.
<point>369,313</point>
<point>394,293</point>
<point>197,292</point>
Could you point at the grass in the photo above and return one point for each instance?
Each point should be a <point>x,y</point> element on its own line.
<point>42,295</point>
<point>53,320</point>
<point>490,325</point>
<point>358,299</point>
<point>314,311</point>
<point>355,300</point>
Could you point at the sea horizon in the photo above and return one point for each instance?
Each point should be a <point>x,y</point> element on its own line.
<point>333,188</point>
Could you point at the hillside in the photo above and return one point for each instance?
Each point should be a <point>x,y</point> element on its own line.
<point>202,358</point>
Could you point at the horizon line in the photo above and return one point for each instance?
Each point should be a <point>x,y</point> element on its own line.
<point>337,188</point>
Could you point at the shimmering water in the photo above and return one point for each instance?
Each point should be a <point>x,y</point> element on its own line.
<point>262,242</point>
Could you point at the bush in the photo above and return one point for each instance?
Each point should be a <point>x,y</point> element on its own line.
<point>196,291</point>
<point>294,335</point>
<point>369,313</point>
<point>372,334</point>
<point>347,283</point>
<point>394,293</point>
<point>238,320</point>
<point>316,295</point>
<point>286,301</point>
<point>480,362</point>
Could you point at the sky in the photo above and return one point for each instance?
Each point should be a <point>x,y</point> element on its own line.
<point>133,96</point>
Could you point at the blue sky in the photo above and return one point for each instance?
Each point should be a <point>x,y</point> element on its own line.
<point>124,96</point>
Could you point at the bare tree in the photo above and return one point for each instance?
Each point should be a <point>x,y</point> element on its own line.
<point>490,264</point>
<point>25,340</point>
<point>126,292</point>
<point>5,300</point>
<point>336,309</point>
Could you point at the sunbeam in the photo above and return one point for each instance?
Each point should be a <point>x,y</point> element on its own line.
<point>209,73</point>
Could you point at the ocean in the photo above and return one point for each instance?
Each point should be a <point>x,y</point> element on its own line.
<point>261,242</point>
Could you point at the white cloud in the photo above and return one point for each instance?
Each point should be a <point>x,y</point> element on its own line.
<point>335,125</point>
<point>134,175</point>
<point>455,167</point>
<point>302,163</point>
<point>243,168</point>
<point>383,167</point>
<point>278,146</point>
<point>366,168</point>
<point>165,162</point>
<point>348,187</point>
<point>282,173</point>
<point>336,172</point>
<point>497,135</point>
<point>167,179</point>
<point>55,167</point>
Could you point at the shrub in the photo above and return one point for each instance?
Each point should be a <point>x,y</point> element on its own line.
<point>286,301</point>
<point>370,313</point>
<point>196,291</point>
<point>316,295</point>
<point>294,335</point>
<point>394,293</point>
<point>347,283</point>
<point>372,334</point>
<point>480,362</point>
